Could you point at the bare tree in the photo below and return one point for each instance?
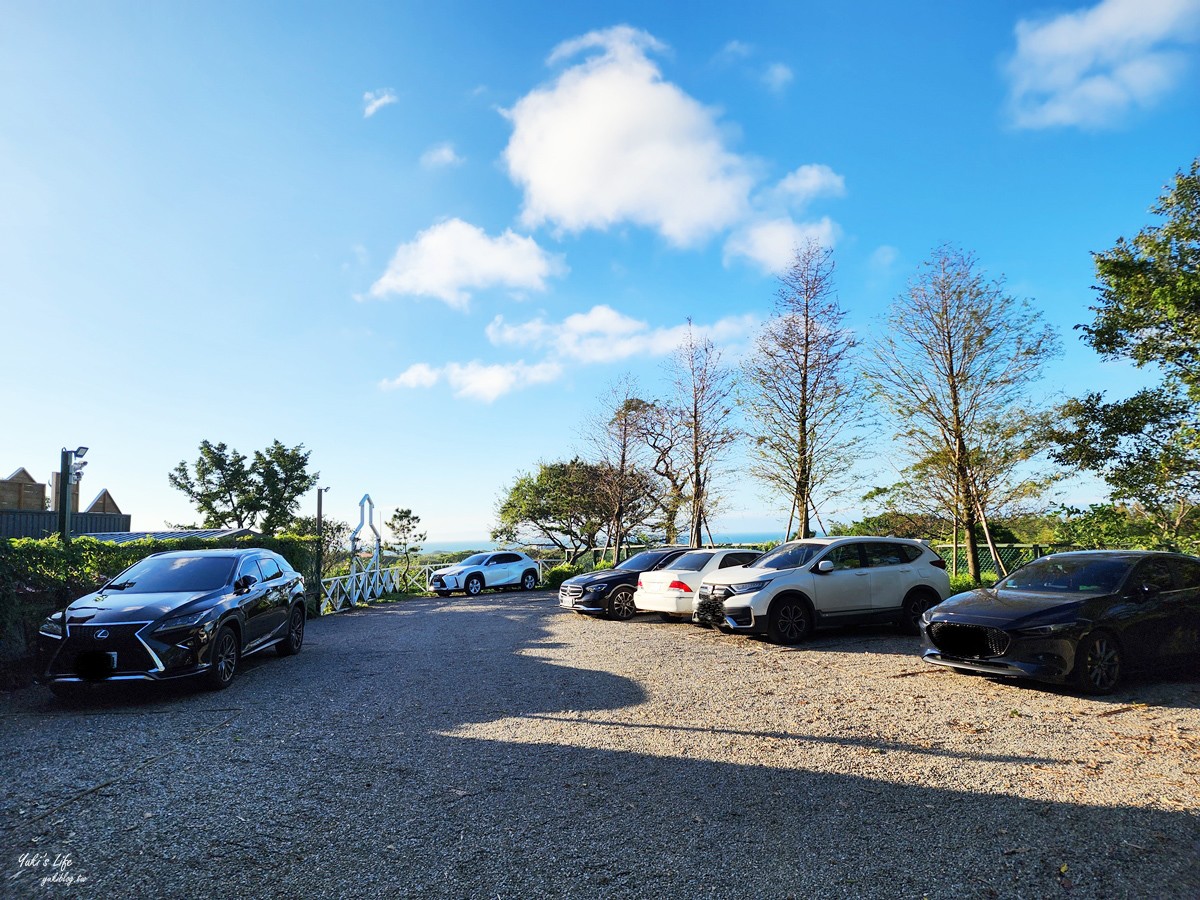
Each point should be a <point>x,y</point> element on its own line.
<point>801,393</point>
<point>957,354</point>
<point>615,435</point>
<point>660,428</point>
<point>703,403</point>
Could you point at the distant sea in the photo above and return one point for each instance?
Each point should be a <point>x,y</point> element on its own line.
<point>731,537</point>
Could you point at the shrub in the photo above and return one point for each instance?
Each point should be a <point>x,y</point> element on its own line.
<point>556,576</point>
<point>961,583</point>
<point>603,564</point>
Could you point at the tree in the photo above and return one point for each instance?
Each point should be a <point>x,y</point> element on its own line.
<point>407,539</point>
<point>1149,289</point>
<point>230,491</point>
<point>660,428</point>
<point>561,505</point>
<point>800,391</point>
<point>615,437</point>
<point>703,390</point>
<point>954,366</point>
<point>1146,448</point>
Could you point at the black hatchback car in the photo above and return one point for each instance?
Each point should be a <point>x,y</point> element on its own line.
<point>609,592</point>
<point>174,615</point>
<point>1081,618</point>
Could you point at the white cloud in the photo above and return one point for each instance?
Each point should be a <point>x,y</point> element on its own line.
<point>603,334</point>
<point>440,156</point>
<point>476,380</point>
<point>609,141</point>
<point>1090,67</point>
<point>777,77</point>
<point>884,257</point>
<point>373,101</point>
<point>734,51</point>
<point>452,257</point>
<point>811,181</point>
<point>771,243</point>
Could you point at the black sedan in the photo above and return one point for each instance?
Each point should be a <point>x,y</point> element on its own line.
<point>609,592</point>
<point>174,615</point>
<point>1082,618</point>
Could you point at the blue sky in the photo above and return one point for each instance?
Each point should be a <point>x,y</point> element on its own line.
<point>422,239</point>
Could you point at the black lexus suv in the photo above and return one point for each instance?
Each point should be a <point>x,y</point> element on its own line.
<point>174,615</point>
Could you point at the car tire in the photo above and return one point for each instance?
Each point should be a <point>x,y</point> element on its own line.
<point>621,605</point>
<point>529,580</point>
<point>913,608</point>
<point>474,585</point>
<point>442,593</point>
<point>294,639</point>
<point>226,655</point>
<point>1098,660</point>
<point>789,621</point>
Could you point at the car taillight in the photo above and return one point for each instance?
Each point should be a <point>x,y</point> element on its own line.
<point>938,563</point>
<point>678,586</point>
<point>639,582</point>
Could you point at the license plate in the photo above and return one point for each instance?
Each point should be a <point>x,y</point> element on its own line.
<point>567,602</point>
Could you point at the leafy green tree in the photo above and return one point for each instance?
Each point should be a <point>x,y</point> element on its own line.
<point>1146,448</point>
<point>1149,289</point>
<point>335,539</point>
<point>407,536</point>
<point>1102,526</point>
<point>563,504</point>
<point>229,490</point>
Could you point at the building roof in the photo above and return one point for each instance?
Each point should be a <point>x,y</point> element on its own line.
<point>124,537</point>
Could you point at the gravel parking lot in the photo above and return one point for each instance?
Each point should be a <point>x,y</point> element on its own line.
<point>499,747</point>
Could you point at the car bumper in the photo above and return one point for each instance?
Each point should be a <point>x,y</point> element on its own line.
<point>1043,660</point>
<point>728,617</point>
<point>589,603</point>
<point>675,602</point>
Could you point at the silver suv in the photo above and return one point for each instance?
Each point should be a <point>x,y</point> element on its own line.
<point>817,582</point>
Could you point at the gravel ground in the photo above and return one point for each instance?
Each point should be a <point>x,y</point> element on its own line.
<point>499,747</point>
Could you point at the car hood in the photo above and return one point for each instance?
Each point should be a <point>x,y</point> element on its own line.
<point>1007,608</point>
<point>115,607</point>
<point>742,574</point>
<point>454,570</point>
<point>614,576</point>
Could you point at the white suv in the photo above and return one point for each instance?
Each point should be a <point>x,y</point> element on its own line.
<point>816,582</point>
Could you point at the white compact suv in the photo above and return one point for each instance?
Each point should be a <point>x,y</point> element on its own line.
<point>817,582</point>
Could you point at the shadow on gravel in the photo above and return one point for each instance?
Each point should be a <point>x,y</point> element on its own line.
<point>333,773</point>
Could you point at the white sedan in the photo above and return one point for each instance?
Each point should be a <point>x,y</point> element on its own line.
<point>671,590</point>
<point>502,569</point>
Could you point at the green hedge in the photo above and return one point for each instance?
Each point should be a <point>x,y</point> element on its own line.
<point>40,576</point>
<point>556,576</point>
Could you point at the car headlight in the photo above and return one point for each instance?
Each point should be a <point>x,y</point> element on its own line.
<point>52,628</point>
<point>746,587</point>
<point>595,588</point>
<point>187,621</point>
<point>1043,630</point>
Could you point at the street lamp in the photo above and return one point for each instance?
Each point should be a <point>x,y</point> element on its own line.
<point>320,541</point>
<point>69,473</point>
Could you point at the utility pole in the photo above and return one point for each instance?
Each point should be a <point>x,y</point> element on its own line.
<point>320,547</point>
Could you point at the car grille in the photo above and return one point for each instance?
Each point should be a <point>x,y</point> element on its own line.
<point>570,592</point>
<point>437,582</point>
<point>710,612</point>
<point>83,645</point>
<point>968,641</point>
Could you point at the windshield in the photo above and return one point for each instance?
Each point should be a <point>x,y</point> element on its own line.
<point>175,574</point>
<point>642,561</point>
<point>789,556</point>
<point>1066,575</point>
<point>690,562</point>
<point>477,560</point>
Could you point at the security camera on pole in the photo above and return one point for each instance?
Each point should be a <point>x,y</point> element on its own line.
<point>70,470</point>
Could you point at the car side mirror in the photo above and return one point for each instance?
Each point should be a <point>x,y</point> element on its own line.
<point>244,583</point>
<point>825,565</point>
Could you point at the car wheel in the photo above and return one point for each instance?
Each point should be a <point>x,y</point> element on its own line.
<point>529,580</point>
<point>474,586</point>
<point>1098,663</point>
<point>790,621</point>
<point>913,608</point>
<point>621,605</point>
<point>294,639</point>
<point>442,593</point>
<point>225,657</point>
